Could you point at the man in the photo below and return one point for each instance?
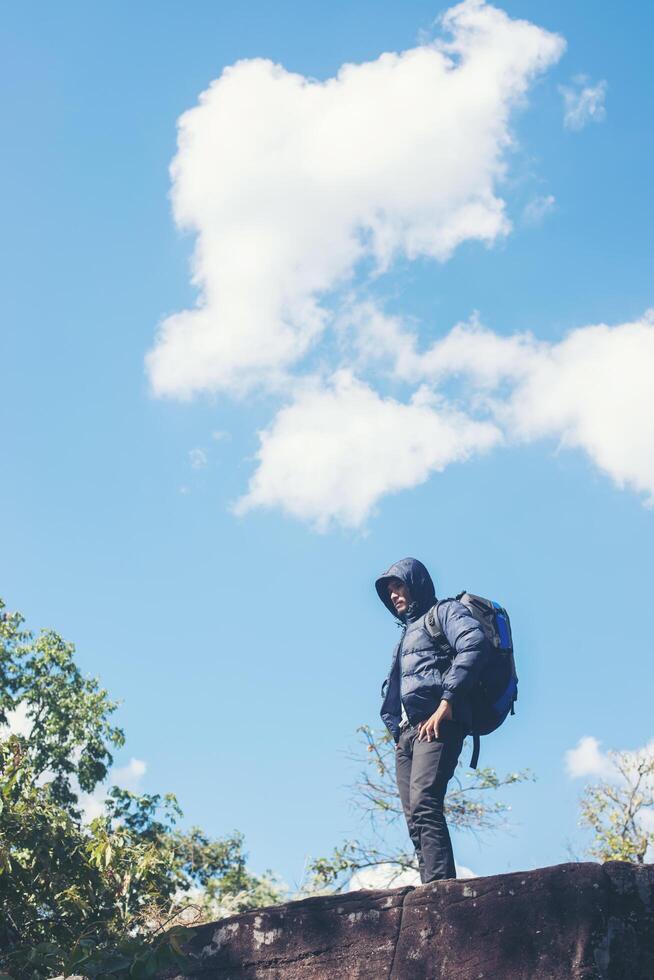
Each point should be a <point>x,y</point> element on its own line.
<point>426,705</point>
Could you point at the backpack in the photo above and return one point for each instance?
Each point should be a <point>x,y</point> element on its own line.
<point>496,691</point>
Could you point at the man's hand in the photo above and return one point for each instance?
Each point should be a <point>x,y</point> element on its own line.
<point>430,729</point>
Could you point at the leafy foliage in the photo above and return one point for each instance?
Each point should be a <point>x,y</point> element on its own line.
<point>214,873</point>
<point>72,738</point>
<point>617,811</point>
<point>68,893</point>
<point>110,898</point>
<point>375,795</point>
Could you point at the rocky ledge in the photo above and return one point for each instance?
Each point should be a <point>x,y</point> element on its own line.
<point>567,922</point>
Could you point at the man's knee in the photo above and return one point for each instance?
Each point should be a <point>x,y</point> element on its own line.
<point>426,806</point>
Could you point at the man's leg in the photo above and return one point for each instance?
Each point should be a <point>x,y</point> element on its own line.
<point>403,754</point>
<point>432,767</point>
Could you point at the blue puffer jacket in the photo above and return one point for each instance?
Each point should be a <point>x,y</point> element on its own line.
<point>419,675</point>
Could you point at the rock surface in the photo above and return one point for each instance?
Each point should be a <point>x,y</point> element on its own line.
<point>567,922</point>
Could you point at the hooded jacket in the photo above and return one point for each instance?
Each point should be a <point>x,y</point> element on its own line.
<point>420,677</point>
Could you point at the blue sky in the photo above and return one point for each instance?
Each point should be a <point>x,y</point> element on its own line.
<point>247,647</point>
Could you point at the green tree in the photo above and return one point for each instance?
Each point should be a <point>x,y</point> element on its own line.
<point>72,738</point>
<point>468,806</point>
<point>104,898</point>
<point>215,877</point>
<point>69,893</point>
<point>620,812</point>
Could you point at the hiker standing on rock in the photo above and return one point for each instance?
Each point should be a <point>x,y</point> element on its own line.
<point>426,704</point>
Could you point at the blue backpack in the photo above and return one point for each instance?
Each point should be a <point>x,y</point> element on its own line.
<point>496,691</point>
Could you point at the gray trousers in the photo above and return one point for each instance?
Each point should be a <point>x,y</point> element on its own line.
<point>423,770</point>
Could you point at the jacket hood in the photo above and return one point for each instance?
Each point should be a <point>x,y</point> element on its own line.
<point>417,579</point>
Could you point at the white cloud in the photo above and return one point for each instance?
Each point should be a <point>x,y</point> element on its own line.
<point>583,102</point>
<point>586,759</point>
<point>297,189</point>
<point>388,876</point>
<point>198,458</point>
<point>471,350</point>
<point>18,721</point>
<point>591,391</point>
<point>290,184</point>
<point>372,337</point>
<point>382,876</point>
<point>91,804</point>
<point>338,447</point>
<point>127,777</point>
<point>536,209</point>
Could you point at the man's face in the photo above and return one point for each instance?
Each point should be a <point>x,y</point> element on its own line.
<point>399,595</point>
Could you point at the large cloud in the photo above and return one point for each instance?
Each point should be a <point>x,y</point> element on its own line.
<point>594,391</point>
<point>338,447</point>
<point>298,193</point>
<point>591,391</point>
<point>290,183</point>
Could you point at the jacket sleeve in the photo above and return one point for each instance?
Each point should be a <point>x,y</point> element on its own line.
<point>466,637</point>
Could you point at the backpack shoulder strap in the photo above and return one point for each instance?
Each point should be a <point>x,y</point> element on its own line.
<point>433,627</point>
<point>475,750</point>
